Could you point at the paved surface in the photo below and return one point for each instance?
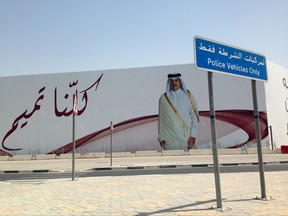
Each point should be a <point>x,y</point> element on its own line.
<point>187,194</point>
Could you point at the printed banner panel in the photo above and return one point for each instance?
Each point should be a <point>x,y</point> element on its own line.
<point>37,110</point>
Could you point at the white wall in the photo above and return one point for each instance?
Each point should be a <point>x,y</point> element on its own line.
<point>277,103</point>
<point>122,95</point>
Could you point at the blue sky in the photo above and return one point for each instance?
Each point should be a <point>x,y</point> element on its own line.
<point>52,36</point>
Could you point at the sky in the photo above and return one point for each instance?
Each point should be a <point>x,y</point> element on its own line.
<point>55,36</point>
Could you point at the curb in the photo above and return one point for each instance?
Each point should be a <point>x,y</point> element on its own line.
<point>25,171</point>
<point>180,166</point>
<point>143,167</point>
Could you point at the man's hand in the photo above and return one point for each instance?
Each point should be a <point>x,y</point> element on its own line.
<point>163,144</point>
<point>191,142</point>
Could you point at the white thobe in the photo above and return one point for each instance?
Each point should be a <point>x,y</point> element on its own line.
<point>170,127</point>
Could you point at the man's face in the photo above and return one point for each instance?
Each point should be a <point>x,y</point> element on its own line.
<point>175,84</point>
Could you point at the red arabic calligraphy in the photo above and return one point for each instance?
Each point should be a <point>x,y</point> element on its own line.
<point>27,115</point>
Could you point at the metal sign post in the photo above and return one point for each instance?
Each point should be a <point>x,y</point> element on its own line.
<point>73,147</point>
<point>74,113</point>
<point>259,147</point>
<point>222,58</point>
<point>214,141</point>
<point>111,134</point>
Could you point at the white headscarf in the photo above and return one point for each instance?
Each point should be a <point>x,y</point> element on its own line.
<point>182,85</point>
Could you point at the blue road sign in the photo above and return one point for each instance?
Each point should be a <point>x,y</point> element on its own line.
<point>218,57</point>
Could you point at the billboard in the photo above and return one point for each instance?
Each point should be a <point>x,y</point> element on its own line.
<point>36,110</point>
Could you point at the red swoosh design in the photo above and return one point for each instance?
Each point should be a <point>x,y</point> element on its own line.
<point>4,153</point>
<point>243,119</point>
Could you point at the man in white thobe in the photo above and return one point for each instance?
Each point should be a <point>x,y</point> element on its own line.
<point>178,116</point>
